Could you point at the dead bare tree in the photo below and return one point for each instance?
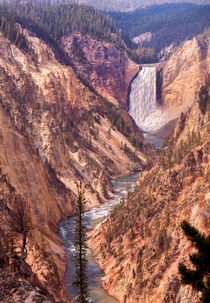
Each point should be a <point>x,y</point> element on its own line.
<point>19,223</point>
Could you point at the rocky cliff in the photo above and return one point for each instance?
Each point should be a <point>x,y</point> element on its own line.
<point>182,75</point>
<point>55,132</point>
<point>141,243</point>
<point>103,66</point>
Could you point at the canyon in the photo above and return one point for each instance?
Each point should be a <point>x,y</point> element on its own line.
<point>141,244</point>
<point>54,133</point>
<point>62,123</point>
<point>93,218</point>
<point>140,251</point>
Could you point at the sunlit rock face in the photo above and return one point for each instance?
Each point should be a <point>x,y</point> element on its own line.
<point>50,139</point>
<point>181,193</point>
<point>143,107</point>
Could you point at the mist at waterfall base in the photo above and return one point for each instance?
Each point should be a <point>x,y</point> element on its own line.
<point>153,120</point>
<point>93,217</point>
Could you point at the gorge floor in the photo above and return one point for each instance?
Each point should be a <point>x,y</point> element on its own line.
<point>94,217</point>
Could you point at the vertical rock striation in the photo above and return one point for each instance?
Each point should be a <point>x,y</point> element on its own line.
<point>184,72</point>
<point>55,132</point>
<point>102,65</point>
<point>141,243</point>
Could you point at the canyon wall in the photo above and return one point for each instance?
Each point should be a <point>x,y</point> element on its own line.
<point>55,132</point>
<point>184,72</point>
<point>141,244</point>
<point>160,93</point>
<point>102,65</point>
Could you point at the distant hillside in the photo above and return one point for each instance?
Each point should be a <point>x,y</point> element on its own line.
<point>51,22</point>
<point>130,5</point>
<point>166,24</point>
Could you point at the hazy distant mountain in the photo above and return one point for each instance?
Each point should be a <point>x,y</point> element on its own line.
<point>164,25</point>
<point>128,5</point>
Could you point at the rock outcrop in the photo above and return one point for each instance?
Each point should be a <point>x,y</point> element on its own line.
<point>140,245</point>
<point>184,72</point>
<point>16,289</point>
<point>103,66</point>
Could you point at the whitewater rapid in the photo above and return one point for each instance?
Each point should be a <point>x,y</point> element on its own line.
<point>143,107</point>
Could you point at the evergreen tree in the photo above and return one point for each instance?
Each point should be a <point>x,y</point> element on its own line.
<point>80,244</point>
<point>198,278</point>
<point>51,21</point>
<point>204,96</point>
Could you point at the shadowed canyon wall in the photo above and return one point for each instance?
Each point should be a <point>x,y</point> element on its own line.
<point>102,65</point>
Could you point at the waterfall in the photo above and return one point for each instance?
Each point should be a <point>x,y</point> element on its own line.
<point>142,101</point>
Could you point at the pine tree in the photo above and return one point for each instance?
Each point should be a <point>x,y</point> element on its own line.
<point>198,278</point>
<point>80,244</point>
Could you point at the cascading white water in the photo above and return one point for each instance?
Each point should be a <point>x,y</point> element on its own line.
<point>142,101</point>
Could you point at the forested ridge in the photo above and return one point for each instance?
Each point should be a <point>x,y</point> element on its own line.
<point>130,5</point>
<point>168,23</point>
<point>52,21</point>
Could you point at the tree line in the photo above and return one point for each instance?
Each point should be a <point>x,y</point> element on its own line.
<point>51,21</point>
<point>168,23</point>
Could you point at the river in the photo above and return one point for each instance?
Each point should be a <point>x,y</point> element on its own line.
<point>93,217</point>
<point>155,124</point>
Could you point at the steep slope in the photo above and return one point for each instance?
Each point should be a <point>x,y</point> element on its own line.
<point>55,132</point>
<point>54,21</point>
<point>140,245</point>
<point>16,289</point>
<point>44,248</point>
<point>103,66</point>
<point>180,77</point>
<point>164,26</point>
<point>185,70</point>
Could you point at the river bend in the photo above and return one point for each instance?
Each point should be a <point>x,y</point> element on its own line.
<point>93,217</point>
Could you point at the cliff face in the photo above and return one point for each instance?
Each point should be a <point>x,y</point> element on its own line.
<point>103,66</point>
<point>142,243</point>
<point>184,72</point>
<point>54,132</point>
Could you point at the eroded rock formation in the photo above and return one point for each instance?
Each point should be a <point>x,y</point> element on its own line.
<point>103,66</point>
<point>140,245</point>
<point>183,74</point>
<point>55,132</point>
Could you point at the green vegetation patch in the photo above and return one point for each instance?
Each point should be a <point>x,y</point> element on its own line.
<point>51,22</point>
<point>168,23</point>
